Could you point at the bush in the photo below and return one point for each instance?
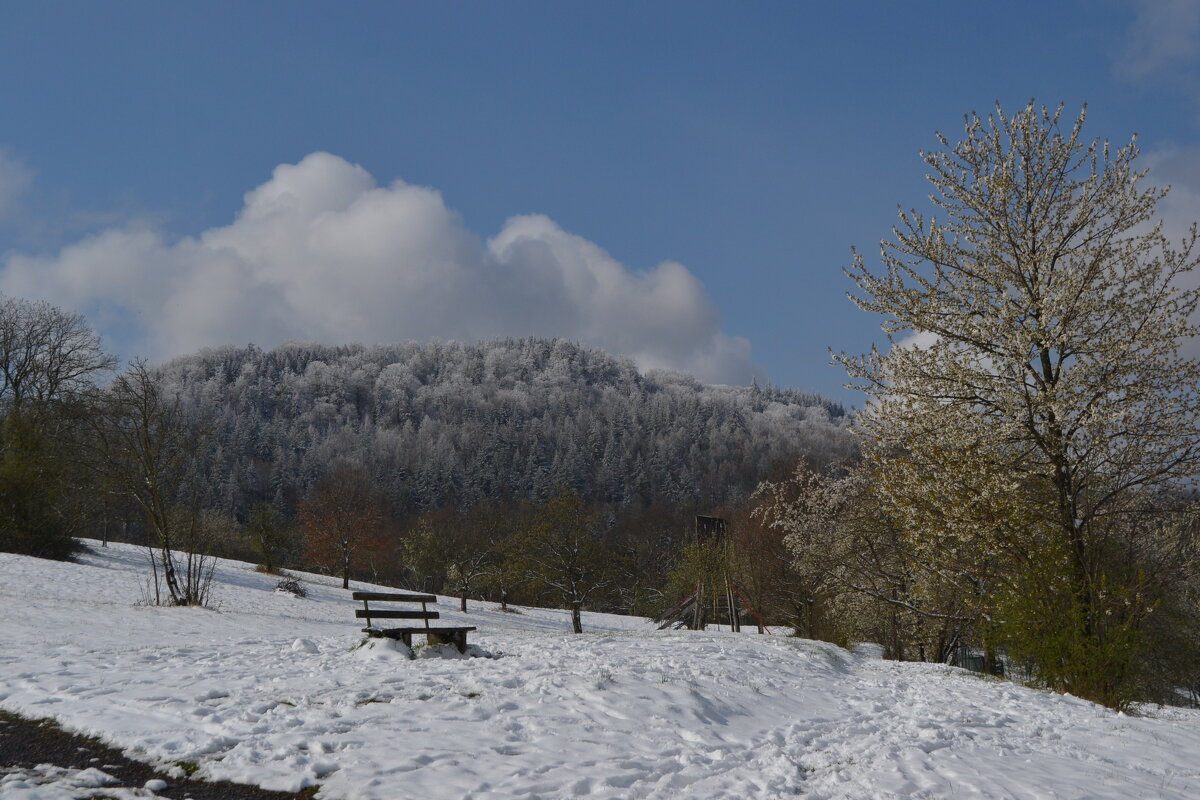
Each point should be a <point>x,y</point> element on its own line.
<point>291,586</point>
<point>39,515</point>
<point>1047,630</point>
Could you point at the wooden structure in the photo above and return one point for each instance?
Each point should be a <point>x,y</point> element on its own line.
<point>687,613</point>
<point>433,635</point>
<point>715,588</point>
<point>710,528</point>
<point>715,594</point>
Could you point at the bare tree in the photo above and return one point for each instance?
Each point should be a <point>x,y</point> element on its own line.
<point>154,451</point>
<point>452,548</point>
<point>46,353</point>
<point>562,552</point>
<point>342,521</point>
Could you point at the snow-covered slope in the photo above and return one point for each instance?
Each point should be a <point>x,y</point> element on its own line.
<point>274,690</point>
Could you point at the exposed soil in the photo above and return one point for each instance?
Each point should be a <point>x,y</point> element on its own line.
<point>28,742</point>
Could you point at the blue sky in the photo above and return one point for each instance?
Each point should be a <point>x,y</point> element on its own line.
<point>678,181</point>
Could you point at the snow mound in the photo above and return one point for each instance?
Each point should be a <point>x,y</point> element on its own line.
<point>382,650</point>
<point>48,782</point>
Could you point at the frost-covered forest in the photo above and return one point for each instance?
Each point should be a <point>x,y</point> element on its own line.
<point>448,424</point>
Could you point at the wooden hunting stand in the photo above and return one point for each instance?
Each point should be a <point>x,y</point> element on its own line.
<point>719,593</point>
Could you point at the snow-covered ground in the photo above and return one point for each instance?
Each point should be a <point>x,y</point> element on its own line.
<point>275,690</point>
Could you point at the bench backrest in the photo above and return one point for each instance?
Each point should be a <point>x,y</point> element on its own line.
<point>368,613</point>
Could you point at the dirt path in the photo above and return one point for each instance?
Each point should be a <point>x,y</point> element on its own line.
<point>26,743</point>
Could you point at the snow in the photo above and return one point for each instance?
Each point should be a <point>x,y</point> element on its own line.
<point>282,692</point>
<point>48,782</point>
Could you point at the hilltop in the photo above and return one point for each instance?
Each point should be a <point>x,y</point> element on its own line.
<point>449,424</point>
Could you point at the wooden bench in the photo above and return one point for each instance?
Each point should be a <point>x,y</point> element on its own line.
<point>433,636</point>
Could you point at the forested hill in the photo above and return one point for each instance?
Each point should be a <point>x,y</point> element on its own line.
<point>448,423</point>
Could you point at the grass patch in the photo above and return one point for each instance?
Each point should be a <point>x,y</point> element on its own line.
<point>47,723</point>
<point>189,767</point>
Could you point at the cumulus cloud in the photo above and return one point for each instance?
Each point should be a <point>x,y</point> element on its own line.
<point>15,177</point>
<point>321,252</point>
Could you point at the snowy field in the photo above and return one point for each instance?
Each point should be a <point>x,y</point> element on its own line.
<point>274,690</point>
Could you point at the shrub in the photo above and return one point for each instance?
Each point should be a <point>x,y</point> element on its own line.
<point>291,586</point>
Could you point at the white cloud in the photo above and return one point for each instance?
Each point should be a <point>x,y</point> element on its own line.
<point>1165,33</point>
<point>15,177</point>
<point>1178,168</point>
<point>321,252</point>
<point>917,340</point>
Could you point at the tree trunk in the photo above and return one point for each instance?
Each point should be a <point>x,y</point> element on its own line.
<point>463,602</point>
<point>1074,534</point>
<point>576,619</point>
<point>731,601</point>
<point>170,577</point>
